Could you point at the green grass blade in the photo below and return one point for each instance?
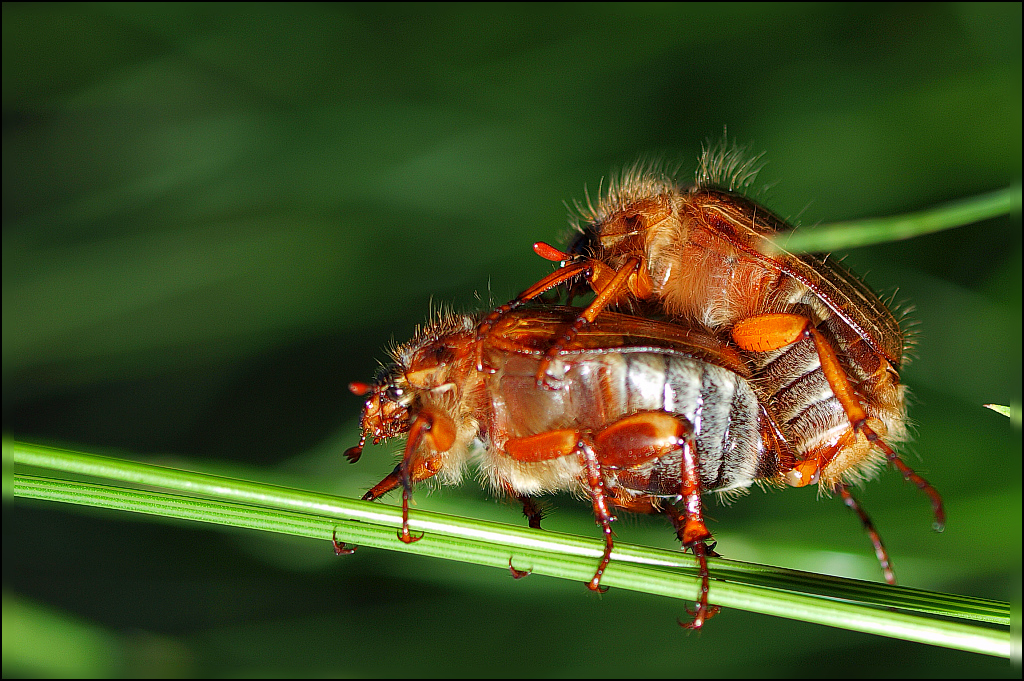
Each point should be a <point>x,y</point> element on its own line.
<point>960,622</point>
<point>855,233</point>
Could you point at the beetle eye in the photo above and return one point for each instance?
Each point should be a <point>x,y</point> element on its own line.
<point>584,244</point>
<point>393,393</point>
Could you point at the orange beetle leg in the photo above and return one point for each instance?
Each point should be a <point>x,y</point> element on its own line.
<point>553,444</point>
<point>694,533</point>
<point>605,297</point>
<point>557,277</point>
<point>604,518</point>
<point>439,435</point>
<point>694,530</point>
<point>774,331</point>
<point>869,527</point>
<point>642,437</point>
<point>704,611</point>
<point>808,471</point>
<point>353,453</point>
<point>556,444</point>
<point>908,474</point>
<point>636,439</point>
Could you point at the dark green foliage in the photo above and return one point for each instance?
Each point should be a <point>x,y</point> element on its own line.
<point>217,215</point>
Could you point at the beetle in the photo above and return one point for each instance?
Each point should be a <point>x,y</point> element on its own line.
<point>703,256</point>
<point>639,415</point>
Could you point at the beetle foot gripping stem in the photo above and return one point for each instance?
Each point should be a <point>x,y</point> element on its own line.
<point>704,611</point>
<point>341,548</point>
<point>404,533</point>
<point>603,516</point>
<point>517,574</point>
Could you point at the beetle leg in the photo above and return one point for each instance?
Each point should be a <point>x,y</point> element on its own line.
<point>642,437</point>
<point>649,504</point>
<point>626,443</point>
<point>908,474</point>
<point>353,453</point>
<point>773,331</point>
<point>557,277</point>
<point>869,527</point>
<point>807,471</point>
<point>595,480</point>
<point>694,532</point>
<point>390,481</point>
<point>438,433</point>
<point>555,444</point>
<point>684,527</point>
<point>517,574</point>
<point>660,433</point>
<point>406,481</point>
<point>704,611</point>
<point>533,512</point>
<point>423,469</point>
<point>605,297</point>
<point>341,548</point>
<point>652,505</point>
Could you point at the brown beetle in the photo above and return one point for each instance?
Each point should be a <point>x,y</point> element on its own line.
<point>637,415</point>
<point>703,257</point>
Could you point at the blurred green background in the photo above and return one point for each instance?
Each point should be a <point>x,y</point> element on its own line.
<point>216,215</point>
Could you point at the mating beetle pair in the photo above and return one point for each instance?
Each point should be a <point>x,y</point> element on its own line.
<point>736,363</point>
